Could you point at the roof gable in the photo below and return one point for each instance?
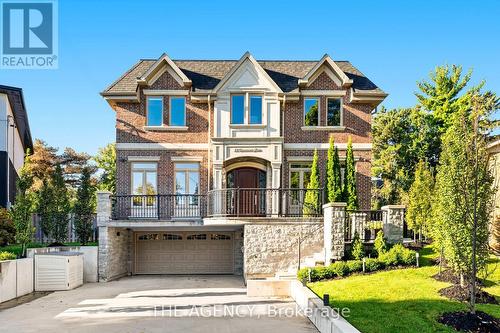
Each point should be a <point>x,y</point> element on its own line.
<point>327,65</point>
<point>247,73</point>
<point>164,63</point>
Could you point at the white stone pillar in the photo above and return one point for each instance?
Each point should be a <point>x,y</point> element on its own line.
<point>334,215</point>
<point>393,223</point>
<point>217,199</point>
<point>103,207</point>
<point>276,184</point>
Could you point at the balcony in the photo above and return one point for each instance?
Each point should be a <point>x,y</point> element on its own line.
<point>234,202</point>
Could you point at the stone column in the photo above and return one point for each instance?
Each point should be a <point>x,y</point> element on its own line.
<point>393,223</point>
<point>217,199</point>
<point>103,207</point>
<point>276,182</point>
<point>334,215</point>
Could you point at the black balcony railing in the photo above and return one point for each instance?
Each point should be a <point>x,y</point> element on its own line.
<point>158,206</point>
<point>261,202</point>
<point>234,202</point>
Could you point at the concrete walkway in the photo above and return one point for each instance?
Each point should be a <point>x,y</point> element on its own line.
<point>157,304</point>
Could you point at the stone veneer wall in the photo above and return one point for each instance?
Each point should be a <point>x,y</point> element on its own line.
<point>238,252</point>
<point>272,247</point>
<point>114,253</point>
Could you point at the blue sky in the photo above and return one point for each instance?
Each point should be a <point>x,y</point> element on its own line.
<point>395,43</point>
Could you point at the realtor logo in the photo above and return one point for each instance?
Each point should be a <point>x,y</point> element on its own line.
<point>29,34</point>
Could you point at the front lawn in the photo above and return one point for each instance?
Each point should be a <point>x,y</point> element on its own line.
<point>401,300</point>
<point>16,248</point>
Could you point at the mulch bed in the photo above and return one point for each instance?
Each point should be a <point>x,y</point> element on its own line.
<point>467,322</point>
<point>458,293</point>
<point>450,277</point>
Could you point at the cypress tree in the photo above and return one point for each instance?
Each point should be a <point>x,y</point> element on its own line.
<point>61,206</point>
<point>419,205</point>
<point>350,193</point>
<point>333,176</point>
<point>312,199</point>
<point>84,207</point>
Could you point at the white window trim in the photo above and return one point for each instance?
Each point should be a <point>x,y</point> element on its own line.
<point>246,109</point>
<point>147,110</point>
<point>341,113</point>
<point>301,170</point>
<point>170,113</point>
<point>304,111</point>
<point>144,177</point>
<point>186,178</point>
<point>143,158</point>
<point>186,158</point>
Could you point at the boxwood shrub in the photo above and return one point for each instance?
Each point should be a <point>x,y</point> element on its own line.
<point>398,255</point>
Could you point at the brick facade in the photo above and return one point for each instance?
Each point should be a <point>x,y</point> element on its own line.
<point>131,120</point>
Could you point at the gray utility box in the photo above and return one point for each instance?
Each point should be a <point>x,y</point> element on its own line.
<point>58,271</point>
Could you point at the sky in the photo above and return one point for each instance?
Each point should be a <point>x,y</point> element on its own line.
<point>394,43</point>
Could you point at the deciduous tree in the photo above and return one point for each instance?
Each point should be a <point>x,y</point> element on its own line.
<point>106,162</point>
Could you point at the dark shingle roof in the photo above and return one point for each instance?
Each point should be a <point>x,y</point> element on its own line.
<point>206,74</point>
<point>16,100</point>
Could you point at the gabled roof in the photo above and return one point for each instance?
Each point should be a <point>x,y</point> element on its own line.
<point>162,61</point>
<point>246,56</point>
<point>207,74</point>
<point>16,100</point>
<point>326,60</point>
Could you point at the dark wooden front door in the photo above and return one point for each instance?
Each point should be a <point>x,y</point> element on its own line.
<point>250,194</point>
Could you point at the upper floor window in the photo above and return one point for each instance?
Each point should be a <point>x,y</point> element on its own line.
<point>311,111</point>
<point>155,111</point>
<point>177,111</point>
<point>334,110</point>
<point>246,109</point>
<point>187,182</point>
<point>237,109</point>
<point>255,109</point>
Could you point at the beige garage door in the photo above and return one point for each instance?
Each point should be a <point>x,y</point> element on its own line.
<point>184,253</point>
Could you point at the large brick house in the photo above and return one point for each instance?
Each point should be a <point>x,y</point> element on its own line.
<point>210,153</point>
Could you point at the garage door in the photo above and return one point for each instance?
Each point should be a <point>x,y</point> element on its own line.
<point>184,253</point>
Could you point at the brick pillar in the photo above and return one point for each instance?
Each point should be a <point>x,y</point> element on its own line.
<point>334,215</point>
<point>103,207</point>
<point>393,223</point>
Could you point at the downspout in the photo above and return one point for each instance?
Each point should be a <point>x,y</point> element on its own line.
<point>283,146</point>
<point>209,141</point>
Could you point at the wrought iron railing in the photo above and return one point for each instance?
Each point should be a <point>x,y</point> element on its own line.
<point>158,206</point>
<point>366,222</point>
<point>255,202</point>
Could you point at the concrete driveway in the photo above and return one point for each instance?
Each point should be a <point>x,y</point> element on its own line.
<point>157,304</point>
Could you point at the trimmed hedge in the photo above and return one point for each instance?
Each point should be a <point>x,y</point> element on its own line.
<point>7,256</point>
<point>398,255</point>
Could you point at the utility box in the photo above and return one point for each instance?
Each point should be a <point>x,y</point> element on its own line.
<point>58,271</point>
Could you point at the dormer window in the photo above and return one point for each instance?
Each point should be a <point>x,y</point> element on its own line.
<point>311,111</point>
<point>154,111</point>
<point>246,109</point>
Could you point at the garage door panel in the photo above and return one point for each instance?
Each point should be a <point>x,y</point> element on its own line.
<point>184,253</point>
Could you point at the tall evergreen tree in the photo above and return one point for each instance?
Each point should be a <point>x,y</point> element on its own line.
<point>84,207</point>
<point>312,198</point>
<point>61,206</point>
<point>419,211</point>
<point>333,174</point>
<point>22,210</point>
<point>350,192</point>
<point>44,207</point>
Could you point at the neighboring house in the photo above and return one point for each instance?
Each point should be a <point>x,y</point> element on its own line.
<point>208,148</point>
<point>15,139</point>
<point>494,159</point>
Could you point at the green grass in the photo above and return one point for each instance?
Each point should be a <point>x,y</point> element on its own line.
<point>402,300</point>
<point>16,248</point>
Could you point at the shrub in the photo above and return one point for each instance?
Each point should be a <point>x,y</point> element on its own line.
<point>321,273</point>
<point>357,249</point>
<point>398,255</point>
<point>339,268</point>
<point>379,245</point>
<point>372,265</point>
<point>355,265</point>
<point>303,275</point>
<point>7,256</point>
<point>7,228</point>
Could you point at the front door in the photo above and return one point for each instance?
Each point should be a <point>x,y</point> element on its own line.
<point>249,196</point>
